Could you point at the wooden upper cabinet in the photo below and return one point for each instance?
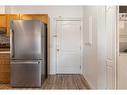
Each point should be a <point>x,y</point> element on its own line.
<point>41,17</point>
<point>25,17</point>
<point>11,17</point>
<point>3,21</point>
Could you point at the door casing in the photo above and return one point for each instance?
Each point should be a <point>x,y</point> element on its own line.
<point>55,19</point>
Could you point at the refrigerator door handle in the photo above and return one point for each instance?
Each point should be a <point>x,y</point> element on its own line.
<point>25,62</point>
<point>12,42</point>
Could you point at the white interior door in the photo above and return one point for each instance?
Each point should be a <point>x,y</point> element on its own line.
<point>68,47</point>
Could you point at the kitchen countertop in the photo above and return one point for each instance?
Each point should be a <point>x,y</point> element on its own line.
<point>4,50</point>
<point>123,53</point>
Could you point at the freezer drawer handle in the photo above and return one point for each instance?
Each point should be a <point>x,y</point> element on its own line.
<point>28,62</point>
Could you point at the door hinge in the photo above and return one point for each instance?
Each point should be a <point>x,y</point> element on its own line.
<point>80,67</point>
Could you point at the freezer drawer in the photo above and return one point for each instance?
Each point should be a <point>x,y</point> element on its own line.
<point>26,74</point>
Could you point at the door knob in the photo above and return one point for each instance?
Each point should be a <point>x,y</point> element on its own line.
<point>57,49</point>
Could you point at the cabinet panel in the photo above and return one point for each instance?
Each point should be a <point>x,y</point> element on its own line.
<point>110,77</point>
<point>6,18</point>
<point>110,36</point>
<point>3,21</point>
<point>26,17</point>
<point>9,18</point>
<point>111,47</point>
<point>4,68</point>
<point>43,18</point>
<point>122,72</point>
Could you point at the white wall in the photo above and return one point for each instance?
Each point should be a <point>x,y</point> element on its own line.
<point>2,9</point>
<point>101,48</point>
<point>100,57</point>
<point>94,55</point>
<point>90,52</point>
<point>52,11</point>
<point>57,11</point>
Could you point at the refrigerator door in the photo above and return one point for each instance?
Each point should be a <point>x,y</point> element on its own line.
<point>26,39</point>
<point>26,73</point>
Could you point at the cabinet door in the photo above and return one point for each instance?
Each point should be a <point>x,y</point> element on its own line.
<point>11,17</point>
<point>43,18</point>
<point>25,17</point>
<point>122,72</point>
<point>110,77</point>
<point>4,68</point>
<point>3,22</point>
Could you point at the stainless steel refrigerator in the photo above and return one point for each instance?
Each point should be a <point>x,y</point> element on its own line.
<point>28,53</point>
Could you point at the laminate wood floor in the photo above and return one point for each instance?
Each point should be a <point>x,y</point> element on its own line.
<point>58,82</point>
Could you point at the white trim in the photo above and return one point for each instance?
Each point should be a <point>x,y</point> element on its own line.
<point>117,45</point>
<point>67,18</point>
<point>115,50</point>
<point>55,19</point>
<point>82,45</point>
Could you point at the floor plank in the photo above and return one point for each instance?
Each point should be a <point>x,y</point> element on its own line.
<point>59,82</point>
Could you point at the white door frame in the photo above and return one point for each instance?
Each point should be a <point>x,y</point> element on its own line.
<point>55,19</point>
